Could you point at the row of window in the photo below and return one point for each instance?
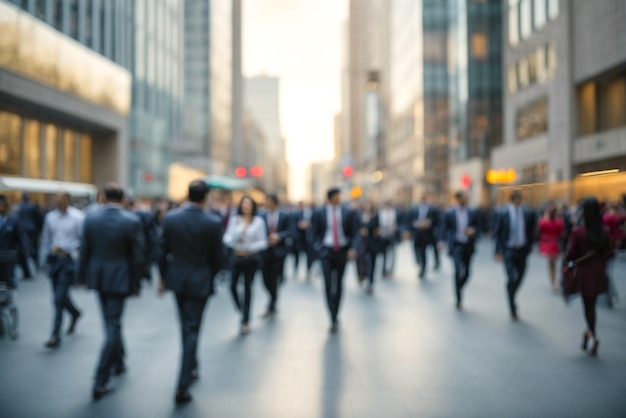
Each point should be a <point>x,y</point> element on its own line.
<point>526,16</point>
<point>534,68</point>
<point>532,119</point>
<point>602,104</point>
<point>40,150</point>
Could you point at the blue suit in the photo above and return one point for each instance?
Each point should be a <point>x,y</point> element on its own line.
<point>111,262</point>
<point>13,241</point>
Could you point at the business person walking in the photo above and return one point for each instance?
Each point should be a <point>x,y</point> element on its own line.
<point>111,263</point>
<point>190,257</point>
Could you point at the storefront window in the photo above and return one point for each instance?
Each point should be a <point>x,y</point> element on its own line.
<point>32,149</point>
<point>10,160</point>
<point>69,155</point>
<point>85,159</point>
<point>51,154</point>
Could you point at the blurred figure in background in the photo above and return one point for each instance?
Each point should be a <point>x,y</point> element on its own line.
<point>95,205</point>
<point>148,231</point>
<point>370,244</point>
<point>246,235</point>
<point>589,249</point>
<point>302,219</point>
<point>459,229</point>
<point>112,263</point>
<point>423,221</point>
<point>614,219</point>
<point>31,221</point>
<point>390,220</point>
<point>514,233</point>
<point>551,227</point>
<point>190,257</point>
<point>60,242</point>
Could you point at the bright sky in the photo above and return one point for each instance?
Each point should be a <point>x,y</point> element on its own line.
<point>299,41</point>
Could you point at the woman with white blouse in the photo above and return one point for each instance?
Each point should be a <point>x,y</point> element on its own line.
<point>246,235</point>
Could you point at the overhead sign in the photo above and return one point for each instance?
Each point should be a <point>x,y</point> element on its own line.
<point>507,176</point>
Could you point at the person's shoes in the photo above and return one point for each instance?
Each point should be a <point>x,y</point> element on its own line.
<point>422,274</point>
<point>594,350</point>
<point>195,375</point>
<point>585,342</point>
<point>100,392</point>
<point>270,313</point>
<point>72,327</point>
<point>119,370</point>
<point>459,306</point>
<point>182,397</point>
<point>53,342</point>
<point>334,328</point>
<point>514,317</point>
<point>245,329</point>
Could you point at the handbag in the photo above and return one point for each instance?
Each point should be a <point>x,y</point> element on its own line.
<point>569,280</point>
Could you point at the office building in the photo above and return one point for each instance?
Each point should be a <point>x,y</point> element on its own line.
<point>65,94</point>
<point>565,98</point>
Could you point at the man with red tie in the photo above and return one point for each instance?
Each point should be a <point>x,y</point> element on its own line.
<point>336,238</point>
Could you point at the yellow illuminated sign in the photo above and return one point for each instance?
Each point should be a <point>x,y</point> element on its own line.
<point>501,176</point>
<point>356,192</point>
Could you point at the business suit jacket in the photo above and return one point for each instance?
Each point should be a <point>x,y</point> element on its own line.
<point>448,227</point>
<point>502,229</point>
<point>373,240</point>
<point>423,236</point>
<point>31,218</point>
<point>284,229</point>
<point>190,251</point>
<point>112,251</point>
<point>350,224</point>
<point>12,240</point>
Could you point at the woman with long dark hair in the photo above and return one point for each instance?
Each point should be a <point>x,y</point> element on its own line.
<point>590,248</point>
<point>246,235</point>
<point>551,226</point>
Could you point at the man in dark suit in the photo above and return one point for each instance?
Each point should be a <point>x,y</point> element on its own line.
<point>190,257</point>
<point>459,227</point>
<point>31,220</point>
<point>111,262</point>
<point>423,220</point>
<point>149,232</point>
<point>514,235</point>
<point>280,237</point>
<point>302,222</point>
<point>13,241</point>
<point>335,231</point>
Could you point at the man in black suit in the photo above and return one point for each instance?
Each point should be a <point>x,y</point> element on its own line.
<point>13,241</point>
<point>335,232</point>
<point>423,221</point>
<point>31,220</point>
<point>149,232</point>
<point>111,262</point>
<point>459,227</point>
<point>280,237</point>
<point>190,257</point>
<point>302,221</point>
<point>514,235</point>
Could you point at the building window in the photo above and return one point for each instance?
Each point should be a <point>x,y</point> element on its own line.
<point>541,65</point>
<point>69,155</point>
<point>51,152</point>
<point>32,149</point>
<point>10,160</point>
<point>539,13</point>
<point>532,120</point>
<point>526,26</point>
<point>513,22</point>
<point>551,59</point>
<point>86,153</point>
<point>512,79</point>
<point>613,103</point>
<point>522,72</point>
<point>480,46</point>
<point>587,109</point>
<point>553,9</point>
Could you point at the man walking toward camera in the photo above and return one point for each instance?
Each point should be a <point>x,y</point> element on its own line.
<point>111,262</point>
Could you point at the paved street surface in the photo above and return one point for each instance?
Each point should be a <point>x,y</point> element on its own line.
<point>403,352</point>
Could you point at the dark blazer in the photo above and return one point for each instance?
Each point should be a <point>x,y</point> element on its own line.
<point>502,229</point>
<point>447,227</point>
<point>12,240</point>
<point>149,231</point>
<point>423,236</point>
<point>284,229</point>
<point>112,251</point>
<point>350,224</point>
<point>373,240</point>
<point>591,278</point>
<point>31,217</point>
<point>191,251</point>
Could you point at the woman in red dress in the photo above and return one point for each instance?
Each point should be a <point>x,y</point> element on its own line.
<point>592,241</point>
<point>551,226</point>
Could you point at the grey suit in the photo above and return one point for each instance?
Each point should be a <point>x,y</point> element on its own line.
<point>112,252</point>
<point>190,257</point>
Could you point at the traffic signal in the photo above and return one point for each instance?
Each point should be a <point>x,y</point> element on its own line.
<point>256,171</point>
<point>241,172</point>
<point>347,171</point>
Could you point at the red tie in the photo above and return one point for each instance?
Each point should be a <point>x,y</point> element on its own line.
<point>335,231</point>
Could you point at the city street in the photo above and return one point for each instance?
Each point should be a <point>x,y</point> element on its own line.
<point>403,352</point>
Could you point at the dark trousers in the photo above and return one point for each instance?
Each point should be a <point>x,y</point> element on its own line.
<point>272,266</point>
<point>462,257</point>
<point>515,265</point>
<point>62,274</point>
<point>112,353</point>
<point>23,261</point>
<point>366,263</point>
<point>333,266</point>
<point>389,255</point>
<point>420,253</point>
<point>247,266</point>
<point>190,311</point>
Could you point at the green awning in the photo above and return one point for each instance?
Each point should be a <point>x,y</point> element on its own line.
<point>226,183</point>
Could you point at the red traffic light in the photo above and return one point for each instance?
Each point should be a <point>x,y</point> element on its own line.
<point>347,171</point>
<point>256,171</point>
<point>240,172</point>
<point>466,181</point>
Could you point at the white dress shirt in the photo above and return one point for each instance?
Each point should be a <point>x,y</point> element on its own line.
<point>251,239</point>
<point>62,230</point>
<point>329,239</point>
<point>462,222</point>
<point>517,229</point>
<point>388,221</point>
